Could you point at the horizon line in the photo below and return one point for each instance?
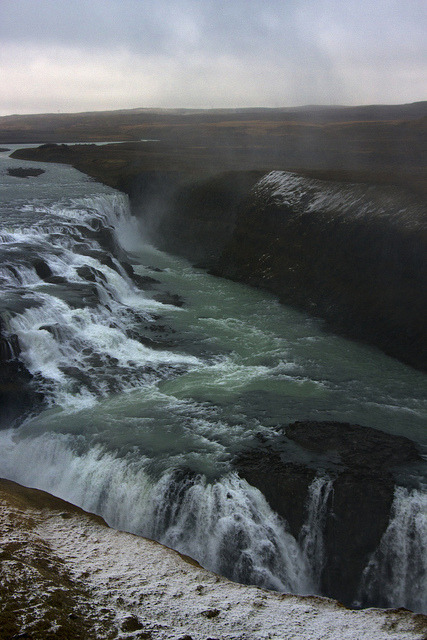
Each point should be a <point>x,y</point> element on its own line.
<point>213,109</point>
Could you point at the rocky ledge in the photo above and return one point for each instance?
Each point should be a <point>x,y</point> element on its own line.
<point>22,172</point>
<point>65,574</point>
<point>360,463</point>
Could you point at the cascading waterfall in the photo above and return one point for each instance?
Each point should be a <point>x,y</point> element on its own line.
<point>146,403</point>
<point>396,575</point>
<point>230,528</point>
<point>311,535</point>
<point>226,525</point>
<point>75,335</point>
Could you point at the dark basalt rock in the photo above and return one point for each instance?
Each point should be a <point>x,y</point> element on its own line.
<point>284,484</point>
<point>21,172</point>
<point>355,523</point>
<point>103,258</point>
<point>90,274</point>
<point>169,298</point>
<point>105,237</point>
<point>9,347</point>
<point>17,396</point>
<point>58,331</point>
<point>149,342</point>
<point>144,282</point>
<point>77,295</point>
<point>56,280</point>
<point>360,461</point>
<point>82,378</point>
<point>358,447</point>
<point>127,267</point>
<point>42,269</point>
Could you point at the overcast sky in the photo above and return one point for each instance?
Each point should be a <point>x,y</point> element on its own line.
<point>78,55</point>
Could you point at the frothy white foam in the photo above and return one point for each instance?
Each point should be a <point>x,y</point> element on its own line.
<point>227,525</point>
<point>311,536</point>
<point>396,575</point>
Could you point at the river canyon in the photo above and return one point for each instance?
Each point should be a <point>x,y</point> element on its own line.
<point>204,413</point>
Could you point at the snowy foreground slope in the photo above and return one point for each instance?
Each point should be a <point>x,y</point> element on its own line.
<point>65,574</point>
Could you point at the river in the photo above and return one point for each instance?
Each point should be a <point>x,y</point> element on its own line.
<point>151,386</point>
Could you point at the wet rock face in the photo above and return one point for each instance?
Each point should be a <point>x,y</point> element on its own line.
<point>354,255</point>
<point>17,397</point>
<point>348,255</point>
<point>284,484</point>
<point>360,462</point>
<point>192,217</point>
<point>357,518</point>
<point>22,172</point>
<point>358,447</point>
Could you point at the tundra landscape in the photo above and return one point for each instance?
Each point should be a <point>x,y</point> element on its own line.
<point>213,277</point>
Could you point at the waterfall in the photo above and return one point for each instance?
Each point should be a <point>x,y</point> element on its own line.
<point>229,527</point>
<point>311,535</point>
<point>146,403</point>
<point>226,524</point>
<point>396,575</point>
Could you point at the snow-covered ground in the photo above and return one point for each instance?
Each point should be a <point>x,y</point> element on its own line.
<point>122,586</point>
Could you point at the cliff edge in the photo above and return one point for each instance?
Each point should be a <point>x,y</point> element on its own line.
<point>65,573</point>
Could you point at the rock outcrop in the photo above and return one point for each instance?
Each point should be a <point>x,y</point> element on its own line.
<point>360,461</point>
<point>353,255</point>
<point>17,395</point>
<point>22,172</point>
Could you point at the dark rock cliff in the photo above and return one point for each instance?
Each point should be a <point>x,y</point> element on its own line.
<point>360,461</point>
<point>17,395</point>
<point>355,255</point>
<point>191,217</point>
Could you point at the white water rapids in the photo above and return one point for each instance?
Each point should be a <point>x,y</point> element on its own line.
<point>147,402</point>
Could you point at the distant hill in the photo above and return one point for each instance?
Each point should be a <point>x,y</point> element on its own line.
<point>132,124</point>
<point>376,143</point>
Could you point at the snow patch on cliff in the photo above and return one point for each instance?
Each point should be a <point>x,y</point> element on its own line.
<point>172,597</point>
<point>136,588</point>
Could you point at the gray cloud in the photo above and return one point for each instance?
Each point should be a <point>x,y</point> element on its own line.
<point>111,53</point>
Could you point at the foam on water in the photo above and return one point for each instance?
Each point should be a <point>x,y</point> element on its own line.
<point>147,403</point>
<point>396,575</point>
<point>227,525</point>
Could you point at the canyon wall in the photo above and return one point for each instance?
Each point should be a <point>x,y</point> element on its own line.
<point>352,254</point>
